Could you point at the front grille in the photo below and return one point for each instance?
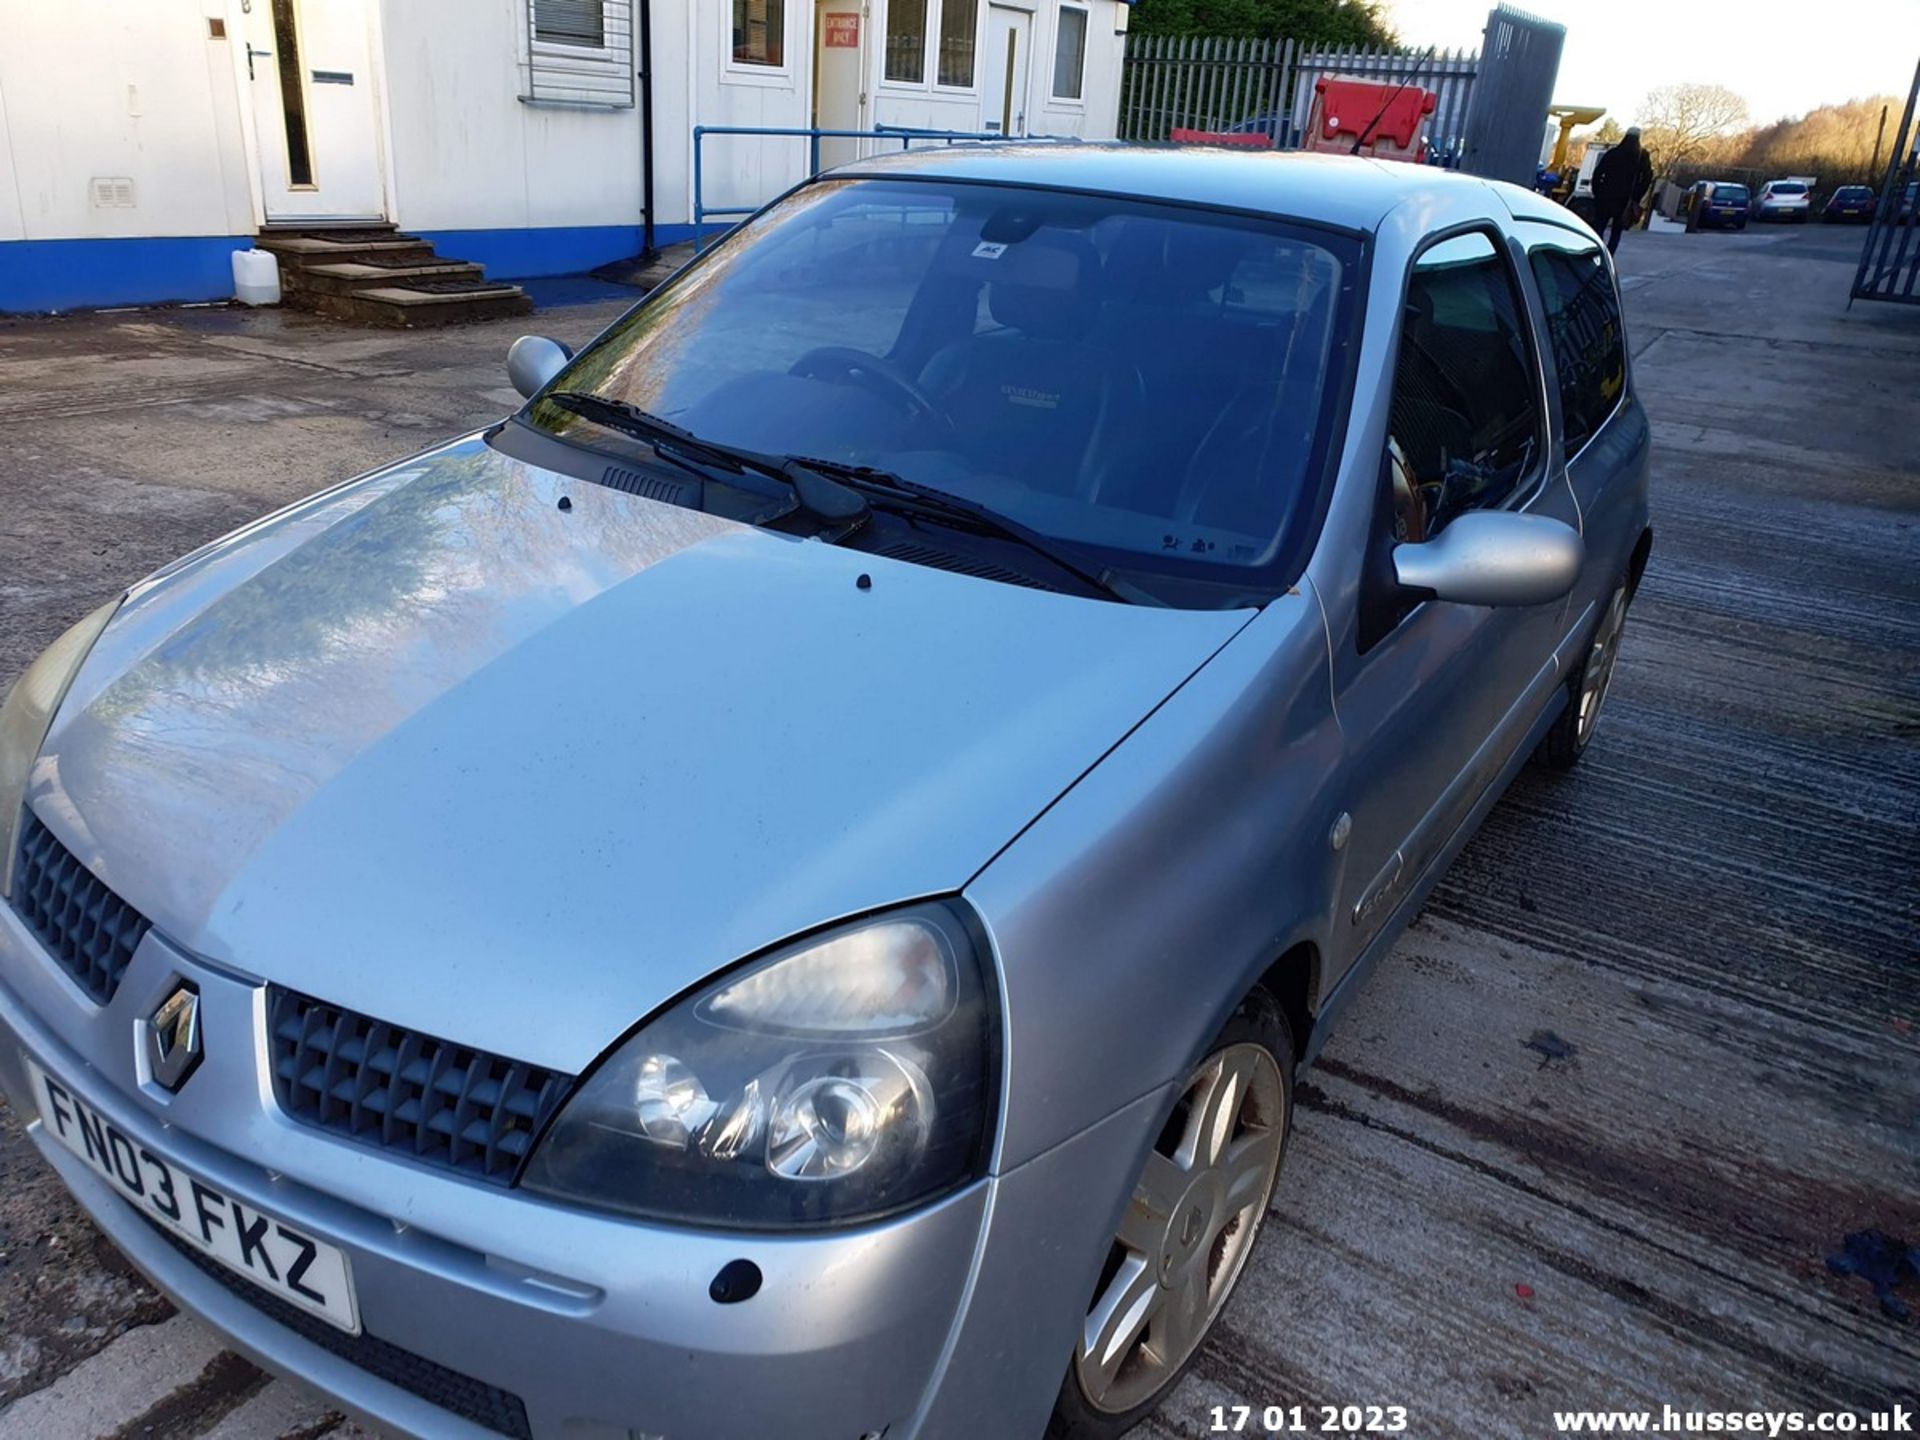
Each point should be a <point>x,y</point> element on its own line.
<point>485,1405</point>
<point>90,931</point>
<point>394,1089</point>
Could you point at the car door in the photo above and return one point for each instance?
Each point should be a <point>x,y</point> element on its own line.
<point>1434,698</point>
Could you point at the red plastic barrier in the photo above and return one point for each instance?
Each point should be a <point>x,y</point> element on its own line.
<point>1344,107</point>
<point>1246,141</point>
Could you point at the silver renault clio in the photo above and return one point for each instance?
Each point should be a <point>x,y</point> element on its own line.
<point>782,889</point>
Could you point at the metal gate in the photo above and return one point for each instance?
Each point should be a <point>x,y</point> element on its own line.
<point>1890,261</point>
<point>1518,66</point>
<point>1265,87</point>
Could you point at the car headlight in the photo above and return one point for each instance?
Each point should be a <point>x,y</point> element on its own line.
<point>840,1078</point>
<point>24,718</point>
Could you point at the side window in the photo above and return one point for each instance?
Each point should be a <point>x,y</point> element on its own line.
<point>1583,326</point>
<point>1464,426</point>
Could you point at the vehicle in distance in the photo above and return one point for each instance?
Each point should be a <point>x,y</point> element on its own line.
<point>1849,204</point>
<point>743,899</point>
<point>1717,205</point>
<point>1783,200</point>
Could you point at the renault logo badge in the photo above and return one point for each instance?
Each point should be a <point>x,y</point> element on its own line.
<point>173,1037</point>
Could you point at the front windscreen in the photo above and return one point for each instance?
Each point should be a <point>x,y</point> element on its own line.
<point>1150,382</point>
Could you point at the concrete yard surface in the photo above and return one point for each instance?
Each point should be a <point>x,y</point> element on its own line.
<point>1592,1132</point>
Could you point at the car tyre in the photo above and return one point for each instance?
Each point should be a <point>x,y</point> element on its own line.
<point>1588,686</point>
<point>1198,1206</point>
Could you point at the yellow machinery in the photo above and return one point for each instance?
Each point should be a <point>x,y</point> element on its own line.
<point>1571,117</point>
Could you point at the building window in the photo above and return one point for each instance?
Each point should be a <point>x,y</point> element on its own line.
<point>1070,53</point>
<point>759,32</point>
<point>907,40</point>
<point>570,22</point>
<point>956,41</point>
<point>579,52</point>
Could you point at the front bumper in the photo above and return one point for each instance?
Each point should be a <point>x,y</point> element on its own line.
<point>487,1312</point>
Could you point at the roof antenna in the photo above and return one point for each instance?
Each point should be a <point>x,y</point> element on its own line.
<point>1367,134</point>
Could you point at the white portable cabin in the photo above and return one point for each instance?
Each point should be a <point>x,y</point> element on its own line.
<point>141,144</point>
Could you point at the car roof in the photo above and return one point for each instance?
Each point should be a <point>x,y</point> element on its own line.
<point>1350,192</point>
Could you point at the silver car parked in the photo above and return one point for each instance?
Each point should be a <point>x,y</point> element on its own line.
<point>782,890</point>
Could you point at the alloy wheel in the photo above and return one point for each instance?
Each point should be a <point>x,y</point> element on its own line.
<point>1598,676</point>
<point>1188,1230</point>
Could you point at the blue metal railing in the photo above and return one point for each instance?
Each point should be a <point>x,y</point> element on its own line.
<point>905,134</point>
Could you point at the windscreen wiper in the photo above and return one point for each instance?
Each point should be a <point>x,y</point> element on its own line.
<point>896,492</point>
<point>815,491</point>
<point>837,491</point>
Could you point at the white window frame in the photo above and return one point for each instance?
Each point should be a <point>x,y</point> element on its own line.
<point>1071,102</point>
<point>567,47</point>
<point>929,48</point>
<point>749,72</point>
<point>972,88</point>
<point>609,62</point>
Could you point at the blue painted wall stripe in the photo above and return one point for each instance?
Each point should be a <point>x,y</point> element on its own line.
<point>38,276</point>
<point>548,249</point>
<point>42,275</point>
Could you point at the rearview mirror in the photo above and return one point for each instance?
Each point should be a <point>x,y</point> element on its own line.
<point>1494,557</point>
<point>533,360</point>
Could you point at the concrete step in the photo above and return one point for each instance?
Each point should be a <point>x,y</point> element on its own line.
<point>344,277</point>
<point>646,272</point>
<point>297,249</point>
<point>452,302</point>
<point>375,275</point>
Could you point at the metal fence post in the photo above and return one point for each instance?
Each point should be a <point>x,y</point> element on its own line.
<point>699,192</point>
<point>1894,219</point>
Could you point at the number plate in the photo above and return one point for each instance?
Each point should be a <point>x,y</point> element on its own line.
<point>274,1255</point>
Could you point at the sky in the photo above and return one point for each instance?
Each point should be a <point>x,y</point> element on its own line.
<point>1784,56</point>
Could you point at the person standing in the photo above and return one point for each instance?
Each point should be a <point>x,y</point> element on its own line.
<point>1620,181</point>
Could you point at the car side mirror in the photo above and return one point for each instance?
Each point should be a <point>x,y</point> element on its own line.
<point>1494,557</point>
<point>533,360</point>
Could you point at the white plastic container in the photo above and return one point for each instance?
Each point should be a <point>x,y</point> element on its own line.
<point>256,277</point>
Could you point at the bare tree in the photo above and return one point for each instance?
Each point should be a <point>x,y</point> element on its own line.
<point>1678,123</point>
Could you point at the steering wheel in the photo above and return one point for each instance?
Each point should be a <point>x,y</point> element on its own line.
<point>875,372</point>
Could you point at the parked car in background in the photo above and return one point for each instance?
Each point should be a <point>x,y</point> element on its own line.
<point>1849,203</point>
<point>1717,205</point>
<point>1790,200</point>
<point>783,888</point>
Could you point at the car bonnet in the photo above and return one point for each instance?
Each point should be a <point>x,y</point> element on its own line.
<point>439,750</point>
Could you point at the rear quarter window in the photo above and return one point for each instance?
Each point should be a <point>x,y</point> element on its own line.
<point>1584,331</point>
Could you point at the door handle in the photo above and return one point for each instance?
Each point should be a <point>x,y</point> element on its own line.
<point>251,52</point>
